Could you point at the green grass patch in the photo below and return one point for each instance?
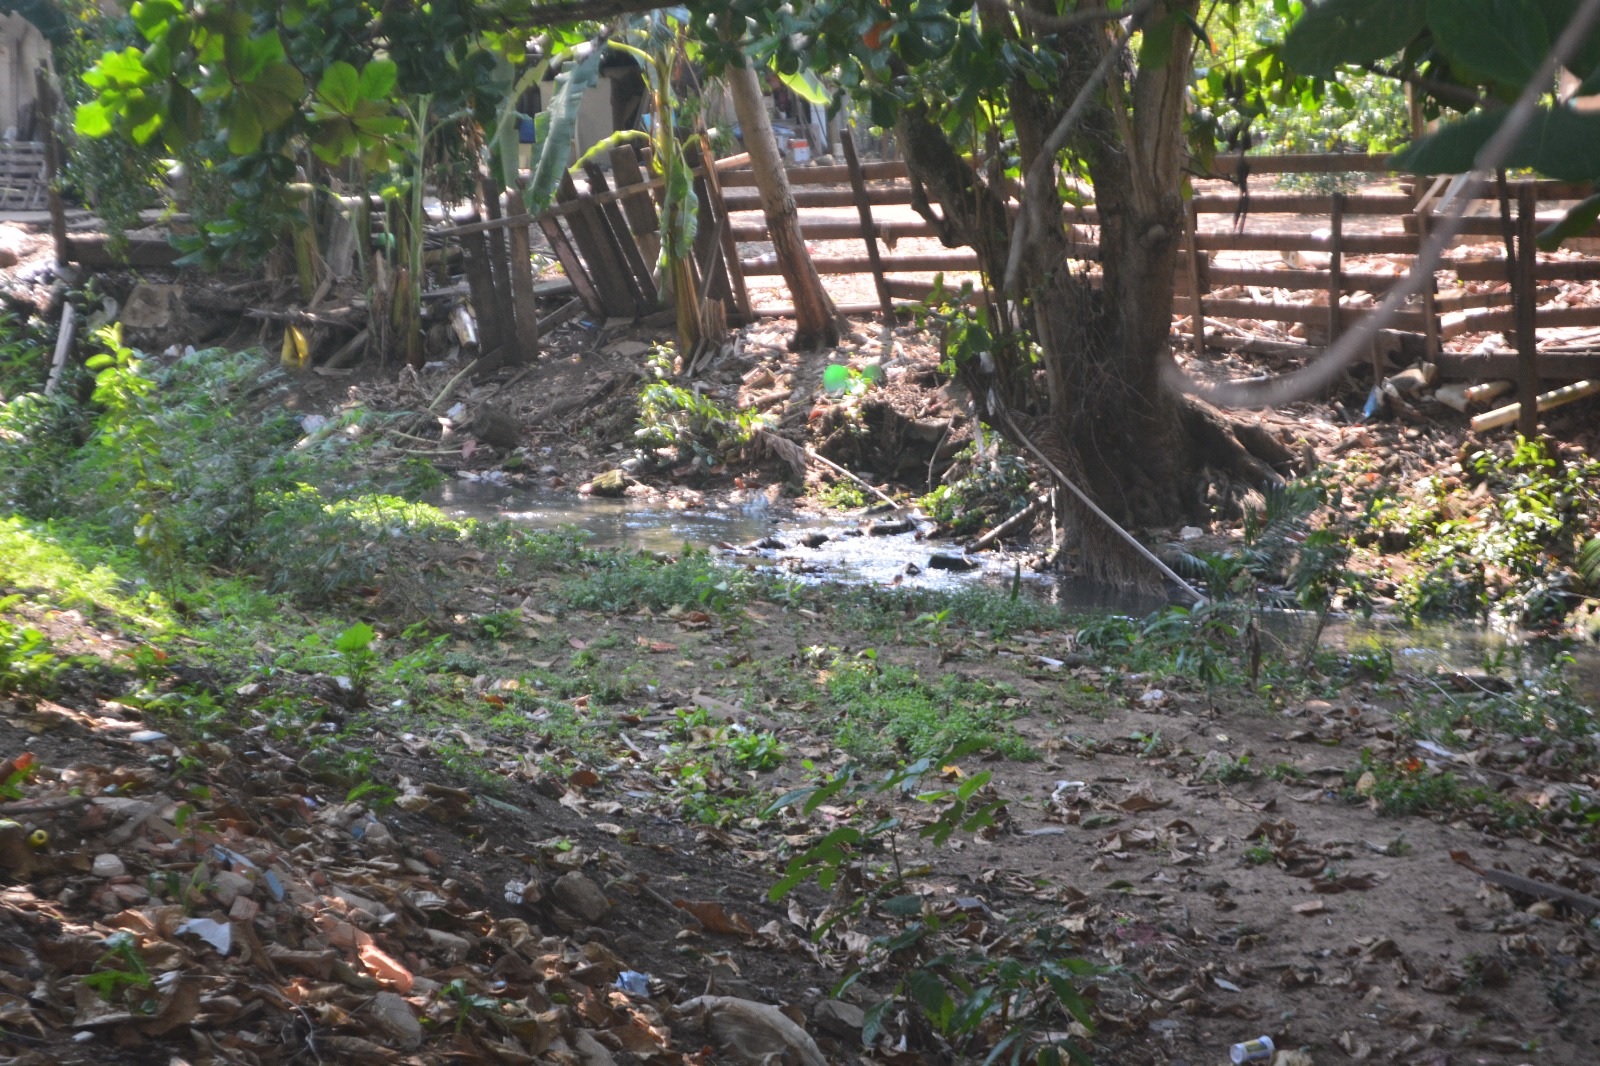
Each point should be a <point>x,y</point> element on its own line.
<point>886,711</point>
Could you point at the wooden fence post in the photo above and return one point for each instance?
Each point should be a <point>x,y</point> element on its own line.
<point>730,247</point>
<point>869,232</point>
<point>1526,302</point>
<point>644,285</point>
<point>1191,220</point>
<point>605,262</point>
<point>525,306</point>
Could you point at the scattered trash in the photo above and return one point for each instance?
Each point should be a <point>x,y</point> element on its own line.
<point>147,736</point>
<point>634,983</point>
<point>218,934</point>
<point>1251,1050</point>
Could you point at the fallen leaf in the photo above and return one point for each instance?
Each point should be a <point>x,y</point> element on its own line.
<point>715,917</point>
<point>1314,906</point>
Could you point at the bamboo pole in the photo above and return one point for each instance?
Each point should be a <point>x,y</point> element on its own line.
<point>1504,416</point>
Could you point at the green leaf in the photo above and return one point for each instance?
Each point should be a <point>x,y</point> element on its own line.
<point>908,906</point>
<point>340,87</point>
<point>91,120</point>
<point>555,146</point>
<point>931,996</point>
<point>1504,40</point>
<point>1578,221</point>
<point>243,125</point>
<point>377,79</point>
<point>872,1023</point>
<point>1559,143</point>
<point>356,638</point>
<point>803,84</point>
<point>1337,32</point>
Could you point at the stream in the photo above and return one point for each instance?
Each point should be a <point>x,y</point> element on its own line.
<point>772,540</point>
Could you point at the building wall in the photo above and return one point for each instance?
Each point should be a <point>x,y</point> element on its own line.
<point>22,50</point>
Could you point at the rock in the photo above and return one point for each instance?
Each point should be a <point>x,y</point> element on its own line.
<point>8,258</point>
<point>228,886</point>
<point>889,527</point>
<point>627,348</point>
<point>838,1018</point>
<point>151,307</point>
<point>496,426</point>
<point>912,569</point>
<point>815,540</point>
<point>454,948</point>
<point>394,1017</point>
<point>754,1033</point>
<point>955,563</point>
<point>107,865</point>
<point>580,896</point>
<point>611,483</point>
<point>770,544</point>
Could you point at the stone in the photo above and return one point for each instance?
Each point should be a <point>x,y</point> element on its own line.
<point>890,527</point>
<point>580,896</point>
<point>814,540</point>
<point>228,886</point>
<point>951,562</point>
<point>496,427</point>
<point>840,1019</point>
<point>454,948</point>
<point>611,483</point>
<point>107,865</point>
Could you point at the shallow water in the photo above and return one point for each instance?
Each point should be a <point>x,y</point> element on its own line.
<point>902,560</point>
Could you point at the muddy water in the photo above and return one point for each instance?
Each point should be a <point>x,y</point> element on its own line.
<point>770,539</point>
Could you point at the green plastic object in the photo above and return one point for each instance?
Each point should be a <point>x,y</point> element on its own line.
<point>836,378</point>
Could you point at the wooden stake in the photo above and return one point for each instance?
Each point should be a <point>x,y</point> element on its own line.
<point>524,304</point>
<point>869,232</point>
<point>639,275</point>
<point>63,346</point>
<point>567,256</point>
<point>1197,326</point>
<point>1527,299</point>
<point>730,247</point>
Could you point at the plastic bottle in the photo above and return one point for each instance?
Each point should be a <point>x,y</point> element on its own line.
<point>1251,1050</point>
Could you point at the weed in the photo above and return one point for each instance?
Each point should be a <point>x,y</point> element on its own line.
<point>29,665</point>
<point>885,709</point>
<point>841,496</point>
<point>618,582</point>
<point>755,750</point>
<point>1258,854</point>
<point>498,625</point>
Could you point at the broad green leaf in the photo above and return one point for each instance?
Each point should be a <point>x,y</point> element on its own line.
<point>1559,143</point>
<point>804,84</point>
<point>339,87</point>
<point>243,125</point>
<point>1504,40</point>
<point>908,906</point>
<point>91,120</point>
<point>556,145</point>
<point>1337,32</point>
<point>931,996</point>
<point>356,638</point>
<point>377,79</point>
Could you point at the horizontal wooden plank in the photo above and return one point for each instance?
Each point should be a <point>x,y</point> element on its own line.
<point>837,175</point>
<point>1496,320</point>
<point>1302,163</point>
<point>91,252</point>
<point>1554,366</point>
<point>1283,311</point>
<point>840,230</point>
<point>1289,203</point>
<point>1352,243</point>
<point>878,196</point>
<point>1296,279</point>
<point>1543,270</point>
<point>767,265</point>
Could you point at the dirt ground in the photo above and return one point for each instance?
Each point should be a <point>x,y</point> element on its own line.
<point>1222,905</point>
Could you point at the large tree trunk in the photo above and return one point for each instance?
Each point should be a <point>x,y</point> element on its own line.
<point>1098,402</point>
<point>816,320</point>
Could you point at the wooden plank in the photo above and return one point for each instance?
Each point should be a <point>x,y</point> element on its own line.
<point>1336,275</point>
<point>1197,319</point>
<point>706,239</point>
<point>1499,320</point>
<point>498,248</point>
<point>604,263</point>
<point>1288,203</point>
<point>567,256</point>
<point>835,175</point>
<point>644,283</point>
<point>1495,270</point>
<point>525,304</point>
<point>1502,366</point>
<point>52,166</point>
<point>1353,243</point>
<point>1527,303</point>
<point>878,196</point>
<point>626,170</point>
<point>1275,311</point>
<point>751,233</point>
<point>1227,166</point>
<point>768,265</point>
<point>480,285</point>
<point>868,230</point>
<point>92,252</point>
<point>730,247</point>
<point>1483,226</point>
<point>1299,279</point>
